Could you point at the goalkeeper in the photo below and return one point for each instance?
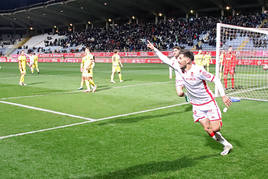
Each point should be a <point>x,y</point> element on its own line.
<point>229,63</point>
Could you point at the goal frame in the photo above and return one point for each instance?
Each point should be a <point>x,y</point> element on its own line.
<point>218,47</point>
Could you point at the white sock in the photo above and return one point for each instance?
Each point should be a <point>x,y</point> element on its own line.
<point>221,139</point>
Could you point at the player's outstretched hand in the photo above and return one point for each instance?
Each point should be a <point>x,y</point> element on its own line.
<point>227,101</point>
<point>150,45</point>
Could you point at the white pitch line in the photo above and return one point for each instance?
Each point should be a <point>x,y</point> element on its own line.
<point>248,90</point>
<point>36,95</point>
<point>81,123</point>
<point>43,130</point>
<point>47,110</point>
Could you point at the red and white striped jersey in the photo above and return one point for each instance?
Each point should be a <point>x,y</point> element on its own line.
<point>195,83</point>
<point>194,80</point>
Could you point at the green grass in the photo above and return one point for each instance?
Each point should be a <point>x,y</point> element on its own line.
<point>159,144</point>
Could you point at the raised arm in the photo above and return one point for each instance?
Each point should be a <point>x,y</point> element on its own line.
<point>27,55</point>
<point>163,57</point>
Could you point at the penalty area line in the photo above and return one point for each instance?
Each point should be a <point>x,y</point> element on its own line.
<point>47,110</point>
<point>139,112</point>
<point>43,130</point>
<point>88,121</point>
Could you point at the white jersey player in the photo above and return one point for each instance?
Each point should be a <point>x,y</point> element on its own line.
<point>31,60</point>
<point>176,52</point>
<point>205,108</point>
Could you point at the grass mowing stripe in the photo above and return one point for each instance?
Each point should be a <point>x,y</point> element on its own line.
<point>76,91</point>
<point>47,110</point>
<point>81,123</point>
<point>139,112</point>
<point>37,95</point>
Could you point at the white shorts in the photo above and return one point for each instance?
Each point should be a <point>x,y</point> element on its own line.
<point>86,74</point>
<point>208,111</point>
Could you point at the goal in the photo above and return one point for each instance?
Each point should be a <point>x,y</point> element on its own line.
<point>241,61</point>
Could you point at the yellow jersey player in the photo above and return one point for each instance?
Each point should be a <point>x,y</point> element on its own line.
<point>206,60</point>
<point>22,67</point>
<point>116,66</point>
<point>34,63</point>
<point>198,58</point>
<point>87,66</point>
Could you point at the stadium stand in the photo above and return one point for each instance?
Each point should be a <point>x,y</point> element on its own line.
<point>191,32</point>
<point>194,32</point>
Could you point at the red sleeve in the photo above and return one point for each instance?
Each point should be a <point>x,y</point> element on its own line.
<point>234,59</point>
<point>224,59</point>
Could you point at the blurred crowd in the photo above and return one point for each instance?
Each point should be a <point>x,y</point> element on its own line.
<point>165,34</point>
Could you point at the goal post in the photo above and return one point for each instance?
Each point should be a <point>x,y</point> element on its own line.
<point>242,61</point>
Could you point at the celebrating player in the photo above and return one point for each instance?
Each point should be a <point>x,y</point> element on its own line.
<point>176,52</point>
<point>86,67</point>
<point>22,67</point>
<point>116,66</point>
<point>229,62</point>
<point>205,108</point>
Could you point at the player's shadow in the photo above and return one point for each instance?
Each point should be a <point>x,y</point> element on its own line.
<point>188,107</point>
<point>215,145</point>
<point>36,83</point>
<point>127,80</point>
<point>152,168</point>
<point>103,88</point>
<point>123,120</point>
<point>137,119</point>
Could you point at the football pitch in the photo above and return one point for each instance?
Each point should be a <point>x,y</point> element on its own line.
<point>136,129</point>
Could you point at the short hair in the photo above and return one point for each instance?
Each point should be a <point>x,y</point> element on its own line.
<point>187,53</point>
<point>177,47</point>
<point>115,50</point>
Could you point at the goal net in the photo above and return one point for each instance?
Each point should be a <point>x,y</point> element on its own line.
<point>242,61</point>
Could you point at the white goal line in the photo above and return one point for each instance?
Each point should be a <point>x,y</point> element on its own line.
<point>89,120</point>
<point>247,90</point>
